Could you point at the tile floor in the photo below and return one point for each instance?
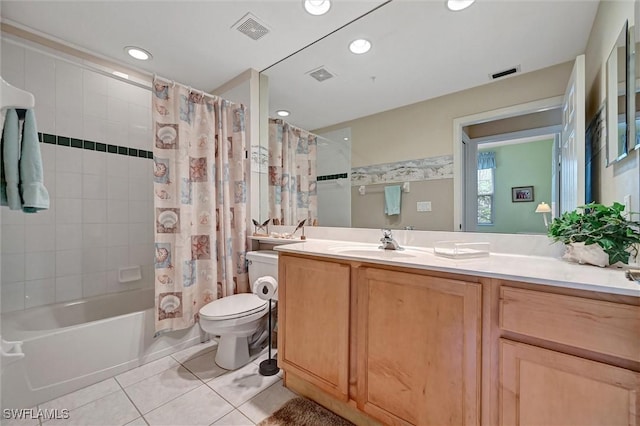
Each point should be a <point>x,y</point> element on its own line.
<point>186,388</point>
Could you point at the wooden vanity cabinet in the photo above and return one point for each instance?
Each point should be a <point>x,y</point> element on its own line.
<point>313,316</point>
<point>418,348</point>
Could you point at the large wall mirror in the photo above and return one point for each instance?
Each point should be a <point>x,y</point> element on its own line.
<point>618,127</point>
<point>385,117</point>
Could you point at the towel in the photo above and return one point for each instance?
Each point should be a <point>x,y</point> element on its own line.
<point>21,174</point>
<point>392,199</point>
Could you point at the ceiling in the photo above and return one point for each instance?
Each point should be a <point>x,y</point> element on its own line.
<point>420,49</point>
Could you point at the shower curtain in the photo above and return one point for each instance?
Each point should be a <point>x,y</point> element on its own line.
<point>199,203</point>
<point>292,174</point>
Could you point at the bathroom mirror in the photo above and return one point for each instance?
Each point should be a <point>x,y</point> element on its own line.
<point>634,73</point>
<point>435,55</point>
<point>617,99</point>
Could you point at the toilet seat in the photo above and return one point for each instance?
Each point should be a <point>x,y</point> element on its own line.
<point>231,307</point>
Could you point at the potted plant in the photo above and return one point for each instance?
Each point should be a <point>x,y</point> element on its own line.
<point>597,234</point>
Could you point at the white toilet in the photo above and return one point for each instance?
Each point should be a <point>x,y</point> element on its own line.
<point>236,318</point>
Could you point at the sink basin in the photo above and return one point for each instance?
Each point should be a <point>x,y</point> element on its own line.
<point>373,250</point>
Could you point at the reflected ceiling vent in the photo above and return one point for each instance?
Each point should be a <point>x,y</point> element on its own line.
<point>505,73</point>
<point>251,26</point>
<point>321,74</point>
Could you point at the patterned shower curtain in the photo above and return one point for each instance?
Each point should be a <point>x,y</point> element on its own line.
<point>292,174</point>
<point>200,202</point>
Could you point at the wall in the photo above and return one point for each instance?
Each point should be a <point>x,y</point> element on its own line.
<point>614,182</point>
<point>101,202</point>
<point>334,158</point>
<point>524,164</point>
<point>425,129</point>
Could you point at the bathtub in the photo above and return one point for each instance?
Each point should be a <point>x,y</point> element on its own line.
<point>68,346</point>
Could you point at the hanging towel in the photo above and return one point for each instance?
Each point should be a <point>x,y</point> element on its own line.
<point>9,192</point>
<point>392,198</point>
<point>21,174</point>
<point>34,195</point>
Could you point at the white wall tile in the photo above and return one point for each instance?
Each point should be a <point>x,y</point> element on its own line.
<point>68,185</point>
<point>140,212</point>
<point>94,82</point>
<point>118,89</point>
<point>12,217</point>
<point>45,118</point>
<point>140,138</point>
<point>68,262</point>
<point>48,154</point>
<point>117,234</point>
<point>118,166</point>
<point>95,163</point>
<point>139,96</point>
<point>69,93</point>
<point>69,210</point>
<point>69,122</point>
<point>40,77</point>
<point>117,134</point>
<point>40,238</point>
<point>12,268</point>
<point>68,288</point>
<point>95,105</point>
<point>94,284</point>
<point>140,234</point>
<point>68,236</point>
<point>118,211</point>
<point>39,292</point>
<point>142,254</point>
<point>139,116</point>
<point>43,217</point>
<point>117,257</point>
<point>94,235</point>
<point>39,266</point>
<point>13,238</point>
<point>94,211</point>
<point>117,111</point>
<point>12,296</point>
<point>94,187</point>
<point>118,188</point>
<point>95,128</point>
<point>68,159</point>
<point>138,168</point>
<point>13,64</point>
<point>138,189</point>
<point>94,260</point>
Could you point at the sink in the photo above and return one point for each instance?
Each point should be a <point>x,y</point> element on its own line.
<point>374,250</point>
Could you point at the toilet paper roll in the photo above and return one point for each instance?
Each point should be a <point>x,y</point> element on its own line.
<point>266,288</point>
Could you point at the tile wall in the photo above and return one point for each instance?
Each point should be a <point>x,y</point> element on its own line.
<point>96,134</point>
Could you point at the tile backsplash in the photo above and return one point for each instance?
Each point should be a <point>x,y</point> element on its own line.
<point>96,142</point>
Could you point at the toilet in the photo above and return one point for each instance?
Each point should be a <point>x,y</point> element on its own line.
<point>238,317</point>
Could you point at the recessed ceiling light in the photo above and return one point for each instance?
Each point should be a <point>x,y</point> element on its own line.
<point>457,5</point>
<point>283,113</point>
<point>360,46</point>
<point>317,7</point>
<point>138,53</point>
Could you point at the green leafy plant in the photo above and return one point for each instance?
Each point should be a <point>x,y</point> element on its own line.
<point>598,224</point>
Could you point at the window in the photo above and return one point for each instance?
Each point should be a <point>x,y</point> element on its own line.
<point>486,168</point>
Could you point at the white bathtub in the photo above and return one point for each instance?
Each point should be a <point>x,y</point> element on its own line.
<point>69,346</point>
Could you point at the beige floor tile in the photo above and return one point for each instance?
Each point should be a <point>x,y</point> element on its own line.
<point>204,366</point>
<point>241,385</point>
<point>145,371</point>
<point>137,422</point>
<point>83,396</point>
<point>234,418</point>
<point>201,406</point>
<point>112,410</point>
<point>28,417</point>
<point>195,351</point>
<point>154,391</point>
<point>266,402</point>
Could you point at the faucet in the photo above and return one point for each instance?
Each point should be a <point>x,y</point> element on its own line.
<point>388,243</point>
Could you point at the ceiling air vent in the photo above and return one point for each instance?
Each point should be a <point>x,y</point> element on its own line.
<point>251,26</point>
<point>321,74</point>
<point>505,73</point>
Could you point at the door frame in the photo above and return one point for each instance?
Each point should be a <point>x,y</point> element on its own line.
<point>458,149</point>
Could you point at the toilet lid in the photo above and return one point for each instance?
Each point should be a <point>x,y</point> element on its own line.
<point>234,306</point>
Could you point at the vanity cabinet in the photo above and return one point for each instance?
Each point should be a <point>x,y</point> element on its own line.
<point>418,348</point>
<point>574,371</point>
<point>313,315</point>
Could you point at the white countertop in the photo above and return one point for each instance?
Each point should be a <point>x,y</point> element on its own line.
<point>531,269</point>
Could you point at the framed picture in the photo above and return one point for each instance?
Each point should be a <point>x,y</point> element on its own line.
<point>520,194</point>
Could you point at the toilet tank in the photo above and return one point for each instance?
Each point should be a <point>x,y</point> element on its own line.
<point>261,263</point>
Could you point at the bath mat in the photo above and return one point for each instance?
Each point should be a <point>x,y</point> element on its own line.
<point>303,412</point>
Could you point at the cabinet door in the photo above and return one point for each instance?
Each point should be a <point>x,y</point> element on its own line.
<point>314,322</point>
<point>418,348</point>
<point>544,387</point>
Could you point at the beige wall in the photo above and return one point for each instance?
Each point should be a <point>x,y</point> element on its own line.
<point>614,182</point>
<point>367,211</point>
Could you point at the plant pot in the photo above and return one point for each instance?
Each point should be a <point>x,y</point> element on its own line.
<point>591,254</point>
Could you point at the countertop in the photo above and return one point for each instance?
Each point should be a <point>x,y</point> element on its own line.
<point>531,269</point>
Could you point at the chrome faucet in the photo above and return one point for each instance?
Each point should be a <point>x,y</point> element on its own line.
<point>388,243</point>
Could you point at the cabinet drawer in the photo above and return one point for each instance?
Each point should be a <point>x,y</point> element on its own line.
<point>604,327</point>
